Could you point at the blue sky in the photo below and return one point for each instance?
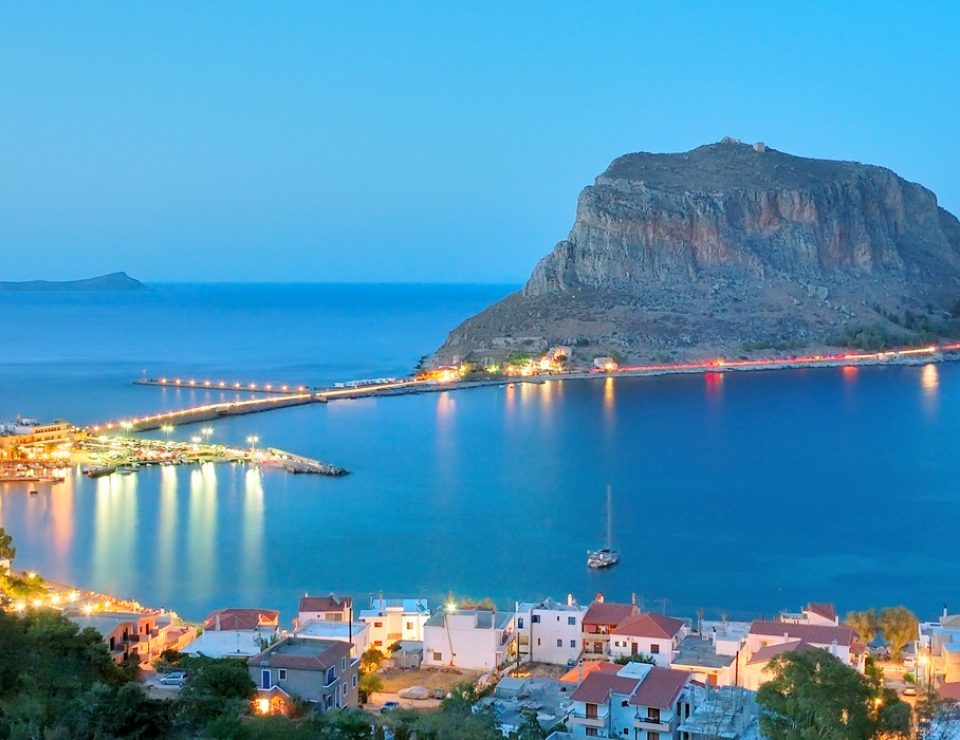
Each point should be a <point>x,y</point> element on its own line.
<point>186,141</point>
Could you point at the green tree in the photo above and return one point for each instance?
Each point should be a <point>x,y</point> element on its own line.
<point>370,660</point>
<point>7,550</point>
<point>899,626</point>
<point>370,683</point>
<point>460,700</point>
<point>636,658</point>
<point>125,712</point>
<point>345,724</point>
<point>865,624</point>
<point>214,689</point>
<point>814,695</point>
<point>530,728</point>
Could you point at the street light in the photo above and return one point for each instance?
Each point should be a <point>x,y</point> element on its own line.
<point>207,432</point>
<point>252,441</point>
<point>167,429</point>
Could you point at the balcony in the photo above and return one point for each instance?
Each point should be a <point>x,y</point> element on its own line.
<point>652,725</point>
<point>579,718</point>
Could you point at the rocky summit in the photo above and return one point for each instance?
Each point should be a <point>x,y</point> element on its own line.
<point>729,250</point>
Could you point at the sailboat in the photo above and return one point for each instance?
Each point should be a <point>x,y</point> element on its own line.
<point>605,556</point>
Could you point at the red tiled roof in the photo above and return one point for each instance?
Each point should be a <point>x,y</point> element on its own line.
<point>950,691</point>
<point>242,619</point>
<point>649,625</point>
<point>660,688</point>
<point>600,613</point>
<point>577,673</point>
<point>329,603</point>
<point>815,634</point>
<point>827,611</point>
<point>597,687</point>
<point>771,651</point>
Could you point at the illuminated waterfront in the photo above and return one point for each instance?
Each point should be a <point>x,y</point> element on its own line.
<point>751,491</point>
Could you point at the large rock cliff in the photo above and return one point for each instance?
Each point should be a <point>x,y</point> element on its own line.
<point>727,247</point>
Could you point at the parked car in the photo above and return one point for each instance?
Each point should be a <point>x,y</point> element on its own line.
<point>174,678</point>
<point>389,705</point>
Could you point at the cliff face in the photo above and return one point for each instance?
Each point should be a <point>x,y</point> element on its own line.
<point>115,281</point>
<point>728,244</point>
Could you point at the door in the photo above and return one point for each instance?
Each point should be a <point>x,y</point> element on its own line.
<point>265,679</point>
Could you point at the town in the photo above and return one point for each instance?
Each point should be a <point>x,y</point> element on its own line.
<point>542,668</point>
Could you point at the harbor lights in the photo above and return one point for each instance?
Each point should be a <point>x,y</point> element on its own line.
<point>127,426</point>
<point>167,429</point>
<point>252,441</point>
<point>207,432</point>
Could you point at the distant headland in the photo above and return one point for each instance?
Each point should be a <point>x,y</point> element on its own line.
<point>114,282</point>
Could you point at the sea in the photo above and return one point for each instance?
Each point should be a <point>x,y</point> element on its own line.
<point>740,493</point>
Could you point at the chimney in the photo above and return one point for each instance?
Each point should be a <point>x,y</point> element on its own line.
<point>599,597</point>
<point>579,672</point>
<point>945,613</point>
<point>217,622</point>
<point>570,600</point>
<point>633,603</point>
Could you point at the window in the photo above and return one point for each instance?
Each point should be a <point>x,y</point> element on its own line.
<point>591,732</point>
<point>343,664</point>
<point>282,674</point>
<point>535,619</point>
<point>572,621</point>
<point>378,643</point>
<point>265,682</point>
<point>573,643</point>
<point>591,711</point>
<point>559,643</point>
<point>377,625</point>
<point>624,703</point>
<point>331,675</point>
<point>409,625</point>
<point>520,623</point>
<point>653,714</point>
<point>538,642</point>
<point>437,657</point>
<point>354,680</point>
<point>654,648</point>
<point>626,731</point>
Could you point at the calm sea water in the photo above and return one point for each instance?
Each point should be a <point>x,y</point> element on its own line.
<point>741,493</point>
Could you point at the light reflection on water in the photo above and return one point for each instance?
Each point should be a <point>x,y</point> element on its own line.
<point>499,491</point>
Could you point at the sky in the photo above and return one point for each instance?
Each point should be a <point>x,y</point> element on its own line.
<point>421,142</point>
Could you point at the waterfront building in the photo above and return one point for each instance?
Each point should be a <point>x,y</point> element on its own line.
<point>142,634</point>
<point>330,608</point>
<point>23,434</point>
<point>639,700</point>
<point>599,621</point>
<point>710,661</point>
<point>938,650</point>
<point>471,639</point>
<point>355,634</point>
<point>773,638</point>
<point>648,634</point>
<point>395,620</point>
<point>317,671</point>
<point>240,633</point>
<point>550,632</point>
<point>821,614</point>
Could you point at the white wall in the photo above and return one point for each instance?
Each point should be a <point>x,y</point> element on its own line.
<point>462,645</point>
<point>553,626</point>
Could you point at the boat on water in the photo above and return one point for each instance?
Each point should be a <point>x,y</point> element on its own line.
<point>98,471</point>
<point>605,557</point>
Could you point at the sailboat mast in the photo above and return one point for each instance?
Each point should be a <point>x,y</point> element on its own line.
<point>609,519</point>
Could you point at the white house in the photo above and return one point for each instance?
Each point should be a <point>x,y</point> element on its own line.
<point>648,634</point>
<point>395,620</point>
<point>330,608</point>
<point>821,614</point>
<point>355,633</point>
<point>550,632</point>
<point>473,639</point>
<point>838,641</point>
<point>236,633</point>
<point>638,701</point>
<point>601,619</point>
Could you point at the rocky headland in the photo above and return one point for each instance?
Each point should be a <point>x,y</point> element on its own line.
<point>115,281</point>
<point>730,250</point>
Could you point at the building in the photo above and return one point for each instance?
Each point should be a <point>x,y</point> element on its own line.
<point>599,621</point>
<point>330,608</point>
<point>513,698</point>
<point>28,433</point>
<point>472,639</point>
<point>648,634</point>
<point>550,632</point>
<point>317,671</point>
<point>604,363</point>
<point>142,634</point>
<point>707,662</point>
<point>938,650</point>
<point>356,634</point>
<point>824,615</point>
<point>240,633</point>
<point>838,641</point>
<point>638,701</point>
<point>394,620</point>
<point>756,669</point>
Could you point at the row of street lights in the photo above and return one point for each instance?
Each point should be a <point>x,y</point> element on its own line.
<point>204,435</point>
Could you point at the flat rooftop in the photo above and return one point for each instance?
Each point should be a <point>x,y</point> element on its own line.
<point>694,651</point>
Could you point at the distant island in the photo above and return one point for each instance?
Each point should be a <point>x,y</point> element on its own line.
<point>730,250</point>
<point>114,282</point>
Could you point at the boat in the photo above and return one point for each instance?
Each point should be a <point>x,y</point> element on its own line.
<point>605,557</point>
<point>98,471</point>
